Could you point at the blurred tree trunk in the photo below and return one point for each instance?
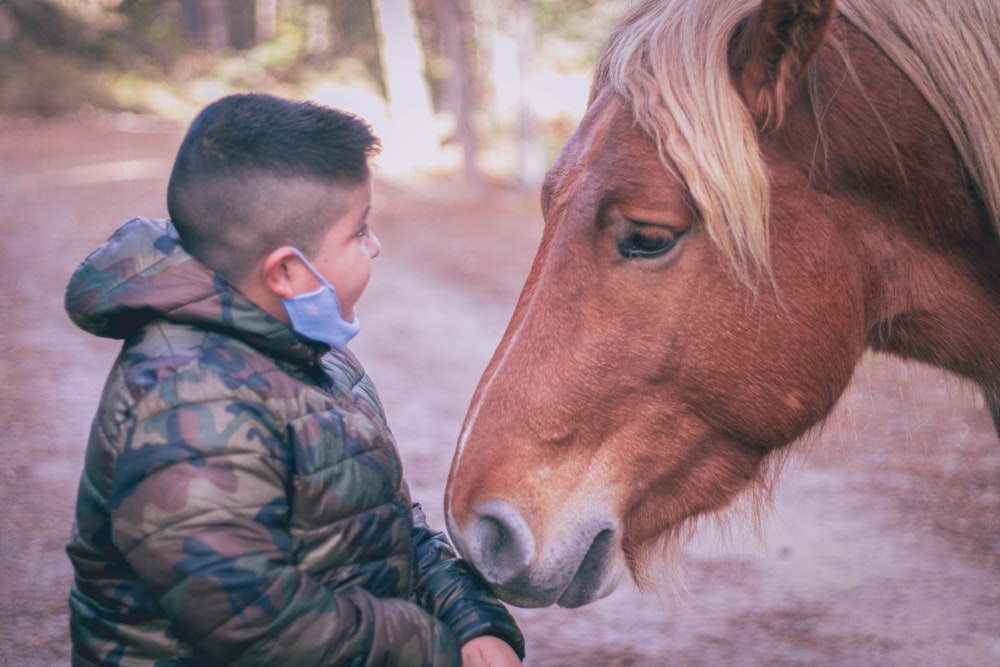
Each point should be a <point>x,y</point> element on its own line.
<point>204,23</point>
<point>506,34</point>
<point>239,19</point>
<point>531,166</point>
<point>265,19</point>
<point>410,139</point>
<point>318,30</point>
<point>354,35</point>
<point>218,24</point>
<point>457,30</point>
<point>195,22</point>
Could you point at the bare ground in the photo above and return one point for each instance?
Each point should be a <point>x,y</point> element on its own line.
<point>881,548</point>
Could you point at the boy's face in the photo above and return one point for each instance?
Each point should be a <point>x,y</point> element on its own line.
<point>345,256</point>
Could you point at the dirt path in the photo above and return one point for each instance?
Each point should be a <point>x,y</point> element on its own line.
<point>882,548</point>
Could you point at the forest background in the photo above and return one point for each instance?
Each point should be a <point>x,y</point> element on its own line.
<point>490,88</point>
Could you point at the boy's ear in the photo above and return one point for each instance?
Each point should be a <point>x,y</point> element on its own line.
<point>277,271</point>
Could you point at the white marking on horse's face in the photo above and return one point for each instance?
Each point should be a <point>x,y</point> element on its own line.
<point>470,418</point>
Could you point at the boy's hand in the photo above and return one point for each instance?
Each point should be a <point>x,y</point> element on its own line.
<point>489,651</point>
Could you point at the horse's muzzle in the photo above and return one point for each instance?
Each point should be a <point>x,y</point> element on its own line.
<point>578,567</point>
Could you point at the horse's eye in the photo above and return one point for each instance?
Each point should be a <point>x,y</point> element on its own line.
<point>644,243</point>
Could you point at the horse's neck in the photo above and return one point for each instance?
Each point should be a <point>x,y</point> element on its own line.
<point>936,307</point>
<point>932,252</point>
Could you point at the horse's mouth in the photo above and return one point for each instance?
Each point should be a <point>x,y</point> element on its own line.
<point>596,577</point>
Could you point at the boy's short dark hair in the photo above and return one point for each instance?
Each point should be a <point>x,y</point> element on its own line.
<point>230,193</point>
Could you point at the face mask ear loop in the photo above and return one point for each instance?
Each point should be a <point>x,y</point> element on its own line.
<point>317,315</point>
<point>311,268</point>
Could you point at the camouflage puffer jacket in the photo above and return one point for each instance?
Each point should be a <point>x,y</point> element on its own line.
<point>242,501</point>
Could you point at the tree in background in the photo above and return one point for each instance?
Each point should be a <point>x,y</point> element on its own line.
<point>451,27</point>
<point>410,135</point>
<point>530,162</point>
<point>474,72</point>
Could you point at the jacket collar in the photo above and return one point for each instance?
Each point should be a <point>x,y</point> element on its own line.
<point>143,273</point>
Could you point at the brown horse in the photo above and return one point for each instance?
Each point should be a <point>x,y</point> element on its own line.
<point>758,193</point>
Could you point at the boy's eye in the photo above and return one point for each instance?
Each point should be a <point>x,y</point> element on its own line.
<point>363,231</point>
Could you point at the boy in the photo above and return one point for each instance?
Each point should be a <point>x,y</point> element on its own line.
<point>242,501</point>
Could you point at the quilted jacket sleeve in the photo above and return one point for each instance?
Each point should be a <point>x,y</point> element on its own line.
<point>449,588</point>
<point>446,586</point>
<point>201,518</point>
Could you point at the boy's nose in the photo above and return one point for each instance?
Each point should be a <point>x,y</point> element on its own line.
<point>374,245</point>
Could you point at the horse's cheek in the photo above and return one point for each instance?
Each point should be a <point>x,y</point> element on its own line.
<point>746,377</point>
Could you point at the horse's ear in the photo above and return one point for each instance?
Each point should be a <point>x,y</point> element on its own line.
<point>770,53</point>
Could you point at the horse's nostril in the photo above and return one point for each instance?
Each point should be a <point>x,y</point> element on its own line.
<point>501,543</point>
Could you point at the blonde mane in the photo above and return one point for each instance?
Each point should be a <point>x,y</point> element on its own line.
<point>669,58</point>
<point>955,66</point>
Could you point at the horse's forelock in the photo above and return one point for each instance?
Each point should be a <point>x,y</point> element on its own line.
<point>669,61</point>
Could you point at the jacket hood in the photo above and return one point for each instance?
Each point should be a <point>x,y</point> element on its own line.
<point>143,273</point>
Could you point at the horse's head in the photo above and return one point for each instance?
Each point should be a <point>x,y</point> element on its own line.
<point>665,343</point>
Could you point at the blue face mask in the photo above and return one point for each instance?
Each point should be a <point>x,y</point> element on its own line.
<point>317,315</point>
